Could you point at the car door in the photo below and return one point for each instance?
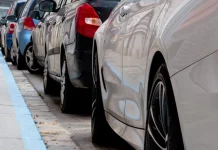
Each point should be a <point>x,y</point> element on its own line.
<point>52,40</point>
<point>40,38</point>
<point>142,17</point>
<point>114,96</point>
<point>56,35</point>
<point>36,43</point>
<point>65,36</point>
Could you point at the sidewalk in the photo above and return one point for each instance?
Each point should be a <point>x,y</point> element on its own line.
<point>17,128</point>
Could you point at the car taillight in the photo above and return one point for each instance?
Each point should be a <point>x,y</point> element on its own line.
<point>11,28</point>
<point>28,24</point>
<point>87,20</point>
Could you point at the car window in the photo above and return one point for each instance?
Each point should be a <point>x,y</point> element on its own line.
<point>35,6</point>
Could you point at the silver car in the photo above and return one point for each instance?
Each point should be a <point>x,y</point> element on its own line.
<point>68,47</point>
<point>155,75</point>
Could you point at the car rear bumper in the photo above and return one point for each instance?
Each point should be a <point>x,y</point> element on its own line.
<point>80,63</point>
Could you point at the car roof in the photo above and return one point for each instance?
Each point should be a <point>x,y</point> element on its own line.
<point>20,1</point>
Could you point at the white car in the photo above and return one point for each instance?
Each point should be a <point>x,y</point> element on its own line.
<point>155,75</point>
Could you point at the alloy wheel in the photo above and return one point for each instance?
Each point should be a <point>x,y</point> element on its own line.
<point>17,56</point>
<point>30,60</point>
<point>158,119</point>
<point>13,55</point>
<point>94,92</point>
<point>45,72</point>
<point>63,83</point>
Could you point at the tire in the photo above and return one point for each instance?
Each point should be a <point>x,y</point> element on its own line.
<point>49,84</point>
<point>20,61</point>
<point>163,128</point>
<point>30,61</point>
<point>13,56</point>
<point>3,51</point>
<point>101,131</point>
<point>8,55</point>
<point>67,89</point>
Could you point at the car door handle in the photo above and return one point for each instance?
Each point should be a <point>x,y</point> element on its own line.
<point>63,18</point>
<point>47,23</point>
<point>124,10</point>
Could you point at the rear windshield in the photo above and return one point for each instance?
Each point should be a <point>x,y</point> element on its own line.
<point>18,9</point>
<point>30,6</point>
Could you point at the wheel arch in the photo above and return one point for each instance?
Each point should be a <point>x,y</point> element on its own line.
<point>157,60</point>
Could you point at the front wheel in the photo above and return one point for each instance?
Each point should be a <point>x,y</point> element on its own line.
<point>163,127</point>
<point>8,55</point>
<point>13,56</point>
<point>20,61</point>
<point>67,89</point>
<point>50,85</point>
<point>30,61</point>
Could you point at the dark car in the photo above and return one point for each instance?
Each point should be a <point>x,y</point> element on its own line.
<point>68,46</point>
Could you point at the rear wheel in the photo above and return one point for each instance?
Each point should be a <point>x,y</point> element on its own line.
<point>20,61</point>
<point>13,56</point>
<point>30,61</point>
<point>8,55</point>
<point>101,131</point>
<point>67,89</point>
<point>163,128</point>
<point>50,85</point>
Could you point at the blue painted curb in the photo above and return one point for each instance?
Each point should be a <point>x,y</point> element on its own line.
<point>30,135</point>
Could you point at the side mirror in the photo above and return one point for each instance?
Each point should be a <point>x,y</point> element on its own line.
<point>3,22</point>
<point>11,18</point>
<point>48,6</point>
<point>35,15</point>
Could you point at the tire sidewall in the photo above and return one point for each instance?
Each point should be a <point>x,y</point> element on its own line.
<point>163,76</point>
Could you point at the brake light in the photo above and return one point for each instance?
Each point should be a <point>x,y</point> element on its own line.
<point>87,20</point>
<point>11,28</point>
<point>28,24</point>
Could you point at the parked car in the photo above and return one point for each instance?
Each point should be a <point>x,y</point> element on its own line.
<point>155,75</point>
<point>2,22</point>
<point>69,46</point>
<point>8,30</point>
<point>22,42</point>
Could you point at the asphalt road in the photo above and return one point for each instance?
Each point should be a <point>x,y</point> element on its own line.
<point>59,131</point>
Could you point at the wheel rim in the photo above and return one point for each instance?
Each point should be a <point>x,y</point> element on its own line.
<point>94,100</point>
<point>17,58</point>
<point>12,54</point>
<point>45,73</point>
<point>30,60</point>
<point>63,82</point>
<point>95,79</point>
<point>158,119</point>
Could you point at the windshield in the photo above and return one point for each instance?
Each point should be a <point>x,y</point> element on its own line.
<point>18,10</point>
